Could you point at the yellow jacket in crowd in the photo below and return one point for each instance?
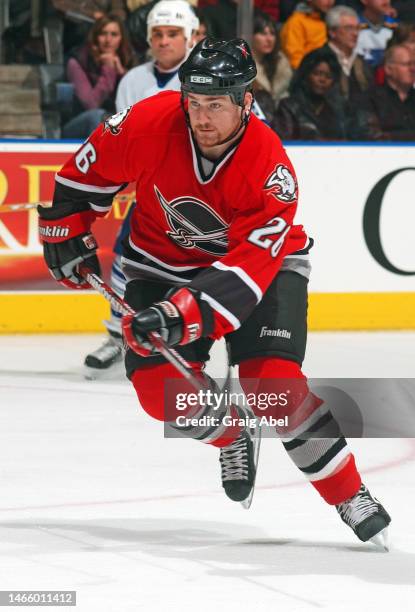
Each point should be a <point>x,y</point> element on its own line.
<point>304,31</point>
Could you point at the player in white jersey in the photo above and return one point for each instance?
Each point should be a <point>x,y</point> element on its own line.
<point>171,29</point>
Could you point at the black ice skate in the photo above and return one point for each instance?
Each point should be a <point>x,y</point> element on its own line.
<point>239,463</point>
<point>367,517</point>
<point>108,354</point>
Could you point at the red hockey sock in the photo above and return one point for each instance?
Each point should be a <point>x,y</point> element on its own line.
<point>149,383</point>
<point>342,485</point>
<point>263,375</point>
<point>157,388</point>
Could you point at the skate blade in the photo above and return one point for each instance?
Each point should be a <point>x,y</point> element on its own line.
<point>246,503</point>
<point>381,540</point>
<point>115,371</point>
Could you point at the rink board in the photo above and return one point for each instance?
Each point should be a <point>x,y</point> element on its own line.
<point>355,201</point>
<point>80,312</point>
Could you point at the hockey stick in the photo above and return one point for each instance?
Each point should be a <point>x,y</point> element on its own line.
<point>8,208</point>
<point>121,306</point>
<point>178,362</point>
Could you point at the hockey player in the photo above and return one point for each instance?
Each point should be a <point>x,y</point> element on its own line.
<point>213,251</point>
<point>171,28</point>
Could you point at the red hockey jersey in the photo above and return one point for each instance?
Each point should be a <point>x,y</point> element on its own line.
<point>224,227</point>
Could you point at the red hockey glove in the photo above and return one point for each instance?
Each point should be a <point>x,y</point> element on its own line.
<point>180,319</point>
<point>67,242</point>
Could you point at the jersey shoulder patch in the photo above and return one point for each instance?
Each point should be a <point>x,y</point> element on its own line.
<point>282,184</point>
<point>114,123</point>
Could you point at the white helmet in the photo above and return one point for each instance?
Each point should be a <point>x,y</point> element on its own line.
<point>172,13</point>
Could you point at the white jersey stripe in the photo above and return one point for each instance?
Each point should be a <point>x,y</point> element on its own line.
<point>156,271</point>
<point>84,187</point>
<point>222,310</point>
<point>158,261</point>
<point>100,208</point>
<point>242,275</point>
<point>328,469</point>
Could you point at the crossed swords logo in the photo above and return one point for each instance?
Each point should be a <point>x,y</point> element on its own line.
<point>185,232</point>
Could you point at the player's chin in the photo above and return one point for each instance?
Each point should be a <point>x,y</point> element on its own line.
<point>207,137</point>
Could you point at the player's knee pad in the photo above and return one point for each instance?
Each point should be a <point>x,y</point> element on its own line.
<point>157,387</point>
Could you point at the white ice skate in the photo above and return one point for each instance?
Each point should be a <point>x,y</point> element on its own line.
<point>104,358</point>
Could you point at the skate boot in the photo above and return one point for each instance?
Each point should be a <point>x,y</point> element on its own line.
<point>109,353</point>
<point>367,517</point>
<point>239,463</point>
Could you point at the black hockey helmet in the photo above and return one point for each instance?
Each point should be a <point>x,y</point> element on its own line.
<point>219,67</point>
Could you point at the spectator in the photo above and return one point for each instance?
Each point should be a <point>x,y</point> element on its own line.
<point>305,30</point>
<point>404,34</point>
<point>170,44</point>
<point>313,111</point>
<point>95,71</point>
<point>343,31</point>
<point>274,70</point>
<point>388,111</point>
<point>376,29</point>
<point>79,16</point>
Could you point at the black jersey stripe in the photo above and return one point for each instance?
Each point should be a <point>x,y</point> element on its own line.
<point>228,289</point>
<point>64,195</point>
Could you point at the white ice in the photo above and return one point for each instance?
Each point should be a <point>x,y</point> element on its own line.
<point>94,499</point>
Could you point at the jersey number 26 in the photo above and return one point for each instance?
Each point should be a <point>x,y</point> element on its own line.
<point>271,236</point>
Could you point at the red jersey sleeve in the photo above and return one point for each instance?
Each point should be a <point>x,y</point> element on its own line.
<point>102,166</point>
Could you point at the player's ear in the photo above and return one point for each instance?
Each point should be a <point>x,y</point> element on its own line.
<point>248,99</point>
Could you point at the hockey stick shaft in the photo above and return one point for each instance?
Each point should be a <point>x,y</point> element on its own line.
<point>121,306</point>
<point>7,208</point>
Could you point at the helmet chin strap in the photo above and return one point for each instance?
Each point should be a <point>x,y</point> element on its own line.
<point>243,123</point>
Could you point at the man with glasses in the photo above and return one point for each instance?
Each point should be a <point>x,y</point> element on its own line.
<point>343,30</point>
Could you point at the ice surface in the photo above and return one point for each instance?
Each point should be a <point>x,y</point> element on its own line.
<point>94,499</point>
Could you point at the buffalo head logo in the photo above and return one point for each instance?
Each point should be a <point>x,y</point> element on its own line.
<point>113,124</point>
<point>282,183</point>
